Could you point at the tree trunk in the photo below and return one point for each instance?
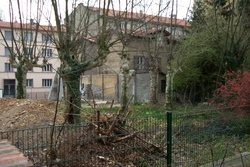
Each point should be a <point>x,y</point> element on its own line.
<point>125,80</point>
<point>168,103</point>
<point>21,82</point>
<point>153,85</point>
<point>72,97</point>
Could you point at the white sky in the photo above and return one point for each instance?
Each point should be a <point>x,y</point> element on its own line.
<point>183,6</point>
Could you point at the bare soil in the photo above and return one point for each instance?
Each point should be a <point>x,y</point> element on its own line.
<point>26,113</point>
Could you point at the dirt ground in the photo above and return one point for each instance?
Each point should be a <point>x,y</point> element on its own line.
<point>24,113</point>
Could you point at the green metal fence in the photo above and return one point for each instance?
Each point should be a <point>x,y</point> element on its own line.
<point>142,144</point>
<point>192,139</point>
<point>210,138</point>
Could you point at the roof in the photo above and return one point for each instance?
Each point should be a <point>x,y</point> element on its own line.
<point>17,25</point>
<point>140,16</point>
<point>146,33</point>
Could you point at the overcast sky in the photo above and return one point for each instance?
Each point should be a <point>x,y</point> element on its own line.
<point>183,6</point>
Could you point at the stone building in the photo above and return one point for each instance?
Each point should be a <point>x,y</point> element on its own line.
<point>147,36</point>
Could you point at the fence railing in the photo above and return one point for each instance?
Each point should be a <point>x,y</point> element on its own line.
<point>196,139</point>
<point>209,137</point>
<point>143,143</point>
<point>37,95</point>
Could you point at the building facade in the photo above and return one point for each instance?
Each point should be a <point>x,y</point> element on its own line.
<point>142,28</point>
<point>147,36</point>
<point>39,79</point>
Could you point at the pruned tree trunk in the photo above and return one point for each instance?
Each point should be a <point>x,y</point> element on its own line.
<point>125,81</point>
<point>73,97</point>
<point>21,75</point>
<point>168,102</point>
<point>153,85</point>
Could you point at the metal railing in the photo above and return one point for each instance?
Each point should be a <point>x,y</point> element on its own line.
<point>143,143</point>
<point>173,139</point>
<point>209,137</point>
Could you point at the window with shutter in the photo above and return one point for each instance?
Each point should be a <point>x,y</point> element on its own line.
<point>141,63</point>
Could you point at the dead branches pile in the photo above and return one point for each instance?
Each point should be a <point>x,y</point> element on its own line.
<point>111,127</point>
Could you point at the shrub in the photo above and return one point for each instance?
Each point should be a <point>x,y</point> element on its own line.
<point>235,92</point>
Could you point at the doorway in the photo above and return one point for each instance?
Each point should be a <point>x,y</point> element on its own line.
<point>9,88</point>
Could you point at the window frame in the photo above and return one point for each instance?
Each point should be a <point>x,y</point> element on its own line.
<point>46,82</point>
<point>47,68</point>
<point>28,51</point>
<point>8,37</point>
<point>28,36</point>
<point>46,38</point>
<point>8,67</point>
<point>7,50</point>
<point>29,83</point>
<point>123,25</point>
<point>141,63</point>
<point>47,52</point>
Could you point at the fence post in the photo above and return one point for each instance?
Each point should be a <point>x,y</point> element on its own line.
<point>169,139</point>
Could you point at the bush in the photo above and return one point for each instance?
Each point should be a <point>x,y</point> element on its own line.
<point>235,92</point>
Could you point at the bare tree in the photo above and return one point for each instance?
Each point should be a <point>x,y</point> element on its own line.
<point>77,51</point>
<point>25,52</point>
<point>154,46</point>
<point>147,35</point>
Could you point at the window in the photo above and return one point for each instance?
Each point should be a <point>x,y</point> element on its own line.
<point>8,35</point>
<point>28,36</point>
<point>48,67</point>
<point>123,25</point>
<point>7,51</point>
<point>111,24</point>
<point>143,27</point>
<point>47,82</point>
<point>46,52</point>
<point>28,51</point>
<point>29,83</point>
<point>140,63</point>
<point>163,86</point>
<point>46,38</point>
<point>8,67</point>
<point>30,70</point>
<point>159,62</point>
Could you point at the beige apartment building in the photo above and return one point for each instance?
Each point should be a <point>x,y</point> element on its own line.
<point>39,80</point>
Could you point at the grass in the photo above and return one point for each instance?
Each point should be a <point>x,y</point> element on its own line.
<point>200,134</point>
